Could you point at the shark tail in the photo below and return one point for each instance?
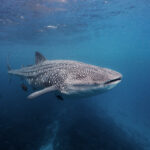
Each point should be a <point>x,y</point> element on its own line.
<point>8,65</point>
<point>9,69</point>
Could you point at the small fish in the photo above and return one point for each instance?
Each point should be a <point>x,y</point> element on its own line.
<point>59,97</point>
<point>24,87</point>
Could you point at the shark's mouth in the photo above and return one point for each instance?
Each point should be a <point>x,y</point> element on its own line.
<point>114,80</point>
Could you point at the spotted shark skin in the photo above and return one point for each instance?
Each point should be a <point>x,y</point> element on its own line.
<point>67,77</point>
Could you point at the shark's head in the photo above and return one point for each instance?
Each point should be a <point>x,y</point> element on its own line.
<point>111,79</point>
<point>97,80</point>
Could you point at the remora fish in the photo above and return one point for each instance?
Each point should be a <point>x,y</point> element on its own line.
<point>67,77</point>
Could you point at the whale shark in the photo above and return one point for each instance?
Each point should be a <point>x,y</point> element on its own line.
<point>66,78</point>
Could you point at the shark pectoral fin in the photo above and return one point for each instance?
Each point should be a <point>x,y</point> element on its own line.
<point>41,92</point>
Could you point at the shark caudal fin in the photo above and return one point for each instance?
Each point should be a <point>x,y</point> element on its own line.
<point>9,69</point>
<point>8,65</point>
<point>39,58</point>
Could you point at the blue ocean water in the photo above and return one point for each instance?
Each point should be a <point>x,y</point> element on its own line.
<point>107,33</point>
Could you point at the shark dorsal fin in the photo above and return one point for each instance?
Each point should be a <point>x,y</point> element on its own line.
<point>39,58</point>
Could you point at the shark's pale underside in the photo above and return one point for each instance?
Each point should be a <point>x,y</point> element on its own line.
<point>67,77</point>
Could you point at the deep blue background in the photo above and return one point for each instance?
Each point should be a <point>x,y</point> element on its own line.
<point>113,34</point>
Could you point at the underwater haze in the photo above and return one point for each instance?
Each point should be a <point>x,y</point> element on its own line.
<point>107,33</point>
